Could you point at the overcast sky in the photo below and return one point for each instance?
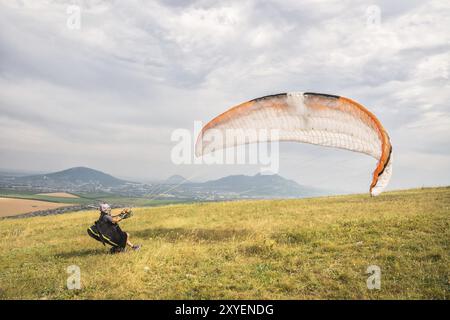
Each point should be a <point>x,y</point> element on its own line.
<point>109,94</point>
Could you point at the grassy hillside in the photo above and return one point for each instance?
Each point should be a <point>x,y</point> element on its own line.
<point>284,249</point>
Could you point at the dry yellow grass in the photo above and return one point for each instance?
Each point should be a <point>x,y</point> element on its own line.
<point>59,195</point>
<point>281,249</point>
<point>12,207</point>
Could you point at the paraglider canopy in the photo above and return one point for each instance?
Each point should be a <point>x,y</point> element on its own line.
<point>315,118</point>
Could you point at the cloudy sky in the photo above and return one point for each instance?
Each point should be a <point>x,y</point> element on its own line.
<point>109,94</point>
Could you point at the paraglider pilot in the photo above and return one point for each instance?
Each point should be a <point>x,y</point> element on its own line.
<point>107,230</point>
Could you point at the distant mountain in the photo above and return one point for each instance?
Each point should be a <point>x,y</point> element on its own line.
<point>86,180</point>
<point>176,179</point>
<point>260,186</point>
<point>73,177</point>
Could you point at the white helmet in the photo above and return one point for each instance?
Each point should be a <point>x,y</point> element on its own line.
<point>105,208</point>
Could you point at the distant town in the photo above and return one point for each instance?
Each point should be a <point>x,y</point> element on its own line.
<point>85,180</point>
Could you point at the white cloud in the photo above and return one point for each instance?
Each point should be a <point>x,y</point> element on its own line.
<point>138,69</point>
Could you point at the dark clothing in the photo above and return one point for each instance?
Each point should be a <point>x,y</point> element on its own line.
<point>107,232</point>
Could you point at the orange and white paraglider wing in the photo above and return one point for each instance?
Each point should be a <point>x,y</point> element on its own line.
<point>320,119</point>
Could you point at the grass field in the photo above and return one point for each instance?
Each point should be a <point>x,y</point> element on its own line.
<point>281,249</point>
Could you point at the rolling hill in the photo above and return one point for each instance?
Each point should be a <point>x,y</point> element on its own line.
<point>73,177</point>
<point>261,186</point>
<point>176,179</point>
<point>241,187</point>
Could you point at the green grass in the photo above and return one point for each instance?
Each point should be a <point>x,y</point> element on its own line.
<point>284,249</point>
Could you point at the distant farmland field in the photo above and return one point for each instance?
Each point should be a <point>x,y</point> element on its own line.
<point>12,207</point>
<point>85,198</point>
<point>59,194</point>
